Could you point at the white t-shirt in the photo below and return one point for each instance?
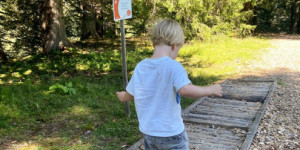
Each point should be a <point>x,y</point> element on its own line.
<point>154,85</point>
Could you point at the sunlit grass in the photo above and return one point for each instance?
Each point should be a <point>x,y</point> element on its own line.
<point>3,75</point>
<point>80,110</point>
<point>220,59</point>
<point>28,72</point>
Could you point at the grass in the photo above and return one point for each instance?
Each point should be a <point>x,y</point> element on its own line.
<point>81,110</point>
<point>280,82</point>
<point>222,58</point>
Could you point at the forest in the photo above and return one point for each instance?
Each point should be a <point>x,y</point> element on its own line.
<point>60,62</point>
<point>30,26</point>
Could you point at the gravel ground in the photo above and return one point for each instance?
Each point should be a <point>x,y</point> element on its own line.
<point>279,128</point>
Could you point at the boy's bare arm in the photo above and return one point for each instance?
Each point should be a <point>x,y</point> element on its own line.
<point>195,91</point>
<point>124,96</point>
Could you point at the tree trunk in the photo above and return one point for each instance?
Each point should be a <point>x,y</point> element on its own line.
<point>3,56</point>
<point>100,23</point>
<point>54,37</point>
<point>298,26</point>
<point>89,19</point>
<point>295,14</point>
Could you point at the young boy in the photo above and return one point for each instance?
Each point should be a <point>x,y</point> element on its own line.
<point>156,86</point>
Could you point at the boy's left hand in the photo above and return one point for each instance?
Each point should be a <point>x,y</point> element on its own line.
<point>124,96</point>
<point>121,95</point>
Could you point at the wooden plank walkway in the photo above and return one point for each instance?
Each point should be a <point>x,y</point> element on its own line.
<point>227,123</point>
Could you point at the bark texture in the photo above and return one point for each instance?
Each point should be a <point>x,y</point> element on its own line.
<point>89,20</point>
<point>54,37</point>
<point>3,56</point>
<point>295,15</point>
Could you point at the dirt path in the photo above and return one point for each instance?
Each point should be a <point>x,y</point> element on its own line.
<point>280,126</point>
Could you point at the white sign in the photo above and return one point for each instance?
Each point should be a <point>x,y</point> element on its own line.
<point>122,9</point>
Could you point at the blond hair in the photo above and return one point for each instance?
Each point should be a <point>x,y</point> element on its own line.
<point>167,32</point>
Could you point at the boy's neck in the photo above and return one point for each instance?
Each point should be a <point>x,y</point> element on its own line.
<point>161,50</point>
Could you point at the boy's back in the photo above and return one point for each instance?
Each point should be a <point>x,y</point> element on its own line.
<point>154,85</point>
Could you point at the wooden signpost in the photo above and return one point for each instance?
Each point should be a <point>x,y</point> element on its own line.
<point>122,10</point>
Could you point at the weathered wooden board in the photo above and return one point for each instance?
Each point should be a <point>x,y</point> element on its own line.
<point>229,122</point>
<point>205,137</point>
<point>249,91</point>
<point>225,108</point>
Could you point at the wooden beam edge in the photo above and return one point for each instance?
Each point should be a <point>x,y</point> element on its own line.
<point>253,129</point>
<point>136,145</point>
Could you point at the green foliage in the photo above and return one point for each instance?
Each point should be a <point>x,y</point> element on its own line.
<point>21,34</point>
<point>224,28</point>
<point>274,16</point>
<point>246,30</point>
<point>141,16</point>
<point>21,25</point>
<point>63,89</point>
<point>213,17</point>
<point>72,16</point>
<point>201,18</point>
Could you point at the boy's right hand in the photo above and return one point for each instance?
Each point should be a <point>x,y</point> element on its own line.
<point>216,90</point>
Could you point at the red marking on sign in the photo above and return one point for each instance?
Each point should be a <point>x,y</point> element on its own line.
<point>116,9</point>
<point>128,12</point>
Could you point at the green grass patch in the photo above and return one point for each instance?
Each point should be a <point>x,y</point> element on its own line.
<point>280,82</point>
<point>220,59</point>
<point>66,100</point>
